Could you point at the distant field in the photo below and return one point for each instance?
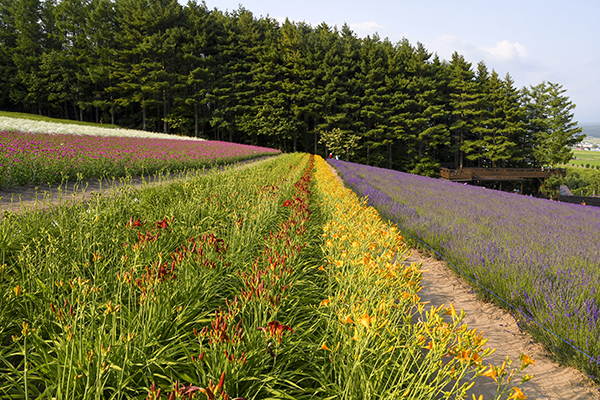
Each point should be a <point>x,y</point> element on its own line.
<point>583,157</point>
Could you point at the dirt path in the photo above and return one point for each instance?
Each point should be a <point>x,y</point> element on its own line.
<point>43,197</point>
<point>551,381</point>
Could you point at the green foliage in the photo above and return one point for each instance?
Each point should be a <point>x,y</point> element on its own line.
<point>583,182</point>
<point>551,186</point>
<point>340,143</point>
<point>160,66</point>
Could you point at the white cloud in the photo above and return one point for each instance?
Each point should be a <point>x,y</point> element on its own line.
<point>367,28</point>
<point>507,51</point>
<point>504,51</point>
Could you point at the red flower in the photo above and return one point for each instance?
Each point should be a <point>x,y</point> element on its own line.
<point>276,330</point>
<point>135,223</point>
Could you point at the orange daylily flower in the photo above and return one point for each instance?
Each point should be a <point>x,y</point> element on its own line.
<point>491,373</point>
<point>365,320</point>
<point>324,347</point>
<point>517,395</point>
<point>324,303</point>
<point>526,360</point>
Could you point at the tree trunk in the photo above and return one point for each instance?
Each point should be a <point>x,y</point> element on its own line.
<point>165,125</point>
<point>295,140</point>
<point>196,119</point>
<point>143,112</point>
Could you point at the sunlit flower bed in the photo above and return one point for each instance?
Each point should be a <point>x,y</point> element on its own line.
<point>266,282</point>
<point>541,256</point>
<point>376,320</point>
<point>10,124</point>
<point>43,158</point>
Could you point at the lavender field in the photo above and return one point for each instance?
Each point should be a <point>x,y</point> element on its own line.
<point>542,257</point>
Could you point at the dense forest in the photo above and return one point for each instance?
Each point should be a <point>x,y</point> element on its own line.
<point>160,66</point>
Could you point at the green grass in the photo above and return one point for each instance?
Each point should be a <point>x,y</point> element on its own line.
<point>584,157</point>
<point>36,117</point>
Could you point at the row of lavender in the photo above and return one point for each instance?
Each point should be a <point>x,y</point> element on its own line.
<point>43,158</point>
<point>540,256</point>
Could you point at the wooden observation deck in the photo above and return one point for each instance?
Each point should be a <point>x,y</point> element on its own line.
<point>497,174</point>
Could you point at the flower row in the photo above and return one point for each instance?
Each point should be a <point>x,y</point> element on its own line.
<point>540,256</point>
<point>376,315</point>
<point>47,158</point>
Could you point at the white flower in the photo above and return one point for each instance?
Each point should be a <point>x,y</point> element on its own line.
<point>29,125</point>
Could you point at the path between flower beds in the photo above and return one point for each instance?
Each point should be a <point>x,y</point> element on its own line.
<point>551,381</point>
<point>29,197</point>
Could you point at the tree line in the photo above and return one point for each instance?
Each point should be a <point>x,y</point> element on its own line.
<point>160,66</point>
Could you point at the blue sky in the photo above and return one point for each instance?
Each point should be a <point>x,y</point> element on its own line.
<point>534,41</point>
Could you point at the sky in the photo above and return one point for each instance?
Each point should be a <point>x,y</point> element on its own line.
<point>534,41</point>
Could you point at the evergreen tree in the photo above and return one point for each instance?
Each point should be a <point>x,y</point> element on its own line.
<point>8,39</point>
<point>27,88</point>
<point>146,59</point>
<point>99,54</point>
<point>465,107</point>
<point>428,114</point>
<point>153,64</point>
<point>201,56</point>
<point>375,92</point>
<point>512,124</point>
<point>550,123</point>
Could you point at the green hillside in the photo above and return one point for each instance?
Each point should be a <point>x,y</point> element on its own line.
<point>592,130</point>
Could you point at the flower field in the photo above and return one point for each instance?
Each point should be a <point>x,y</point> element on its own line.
<point>42,158</point>
<point>542,257</point>
<point>12,124</point>
<point>269,282</point>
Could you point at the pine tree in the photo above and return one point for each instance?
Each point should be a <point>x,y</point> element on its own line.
<point>8,39</point>
<point>201,55</point>
<point>465,107</point>
<point>99,53</point>
<point>375,92</point>
<point>427,119</point>
<point>550,123</point>
<point>27,88</point>
<point>513,127</point>
<point>143,68</point>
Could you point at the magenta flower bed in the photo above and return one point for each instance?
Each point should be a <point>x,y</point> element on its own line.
<point>46,158</point>
<point>543,257</point>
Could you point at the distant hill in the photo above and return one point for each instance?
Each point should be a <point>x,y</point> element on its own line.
<point>591,130</point>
